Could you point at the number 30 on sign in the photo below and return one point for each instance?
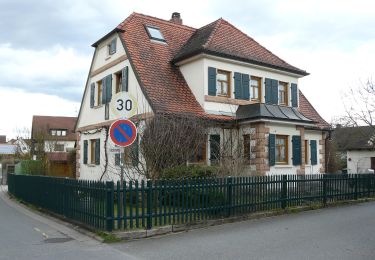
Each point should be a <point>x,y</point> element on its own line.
<point>123,105</point>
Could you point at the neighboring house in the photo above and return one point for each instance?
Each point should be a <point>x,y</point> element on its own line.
<point>7,159</point>
<point>357,146</point>
<point>216,72</point>
<point>53,138</point>
<point>23,145</point>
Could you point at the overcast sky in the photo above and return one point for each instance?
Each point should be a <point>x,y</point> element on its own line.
<point>45,46</point>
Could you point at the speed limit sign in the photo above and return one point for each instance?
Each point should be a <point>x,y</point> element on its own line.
<point>123,105</point>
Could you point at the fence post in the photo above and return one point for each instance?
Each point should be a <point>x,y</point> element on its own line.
<point>229,195</point>
<point>284,187</point>
<point>324,190</point>
<point>368,185</point>
<point>355,186</point>
<point>149,204</point>
<point>110,205</point>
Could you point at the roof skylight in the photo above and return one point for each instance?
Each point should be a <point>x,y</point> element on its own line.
<point>155,33</point>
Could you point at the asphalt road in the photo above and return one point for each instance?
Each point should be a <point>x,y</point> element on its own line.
<point>26,235</point>
<point>346,232</point>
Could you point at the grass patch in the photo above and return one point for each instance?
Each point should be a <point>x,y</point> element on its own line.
<point>108,237</point>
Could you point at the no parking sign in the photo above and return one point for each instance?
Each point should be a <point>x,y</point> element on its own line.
<point>123,132</point>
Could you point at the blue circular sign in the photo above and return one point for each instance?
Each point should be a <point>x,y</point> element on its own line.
<point>123,132</point>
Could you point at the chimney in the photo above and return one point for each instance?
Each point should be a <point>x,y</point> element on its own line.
<point>176,18</point>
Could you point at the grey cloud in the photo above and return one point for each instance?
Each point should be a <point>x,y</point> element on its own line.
<point>310,31</point>
<point>43,23</point>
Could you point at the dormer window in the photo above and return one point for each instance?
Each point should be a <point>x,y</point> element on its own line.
<point>155,34</point>
<point>58,132</point>
<point>112,47</point>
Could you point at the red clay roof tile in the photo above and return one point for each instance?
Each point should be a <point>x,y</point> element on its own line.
<point>162,82</point>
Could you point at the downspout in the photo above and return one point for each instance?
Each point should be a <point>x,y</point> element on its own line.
<point>326,140</point>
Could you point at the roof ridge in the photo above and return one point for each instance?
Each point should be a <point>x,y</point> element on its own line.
<point>256,42</point>
<point>186,27</point>
<point>218,23</point>
<point>127,19</point>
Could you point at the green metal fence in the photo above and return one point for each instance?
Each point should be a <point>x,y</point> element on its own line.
<point>82,201</point>
<point>146,204</point>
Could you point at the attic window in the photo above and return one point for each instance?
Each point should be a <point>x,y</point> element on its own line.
<point>58,132</point>
<point>155,34</point>
<point>112,47</point>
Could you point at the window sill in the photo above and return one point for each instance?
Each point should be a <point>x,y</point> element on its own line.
<point>91,165</point>
<point>228,100</point>
<point>99,106</point>
<point>283,166</point>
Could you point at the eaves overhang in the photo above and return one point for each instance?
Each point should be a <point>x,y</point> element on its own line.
<point>238,58</point>
<point>116,30</point>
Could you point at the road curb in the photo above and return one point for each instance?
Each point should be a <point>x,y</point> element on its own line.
<point>177,228</point>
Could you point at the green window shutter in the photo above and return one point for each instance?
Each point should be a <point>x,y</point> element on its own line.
<point>117,159</point>
<point>294,92</point>
<point>237,85</point>
<point>104,91</point>
<point>268,90</point>
<point>275,92</point>
<point>113,46</point>
<point>92,95</point>
<point>214,148</point>
<point>125,79</point>
<point>85,149</point>
<point>246,86</point>
<point>272,149</point>
<point>135,152</point>
<point>296,142</point>
<point>211,81</point>
<point>97,151</point>
<point>108,87</point>
<point>313,153</point>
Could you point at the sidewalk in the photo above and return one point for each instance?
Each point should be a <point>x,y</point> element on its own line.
<point>68,229</point>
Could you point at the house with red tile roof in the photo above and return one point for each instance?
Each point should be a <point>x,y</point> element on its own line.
<point>215,72</point>
<point>52,138</point>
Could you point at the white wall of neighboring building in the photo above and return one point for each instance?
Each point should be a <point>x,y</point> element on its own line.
<point>49,145</point>
<point>359,161</point>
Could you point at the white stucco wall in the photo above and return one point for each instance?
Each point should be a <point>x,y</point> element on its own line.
<point>102,56</point>
<point>92,116</point>
<point>196,75</point>
<point>313,135</point>
<point>290,130</point>
<point>193,73</point>
<point>91,171</point>
<point>96,114</point>
<point>359,161</point>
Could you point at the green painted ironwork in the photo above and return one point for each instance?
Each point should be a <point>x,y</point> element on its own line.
<point>165,202</point>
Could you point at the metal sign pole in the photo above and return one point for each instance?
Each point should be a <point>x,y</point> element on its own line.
<point>122,153</point>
